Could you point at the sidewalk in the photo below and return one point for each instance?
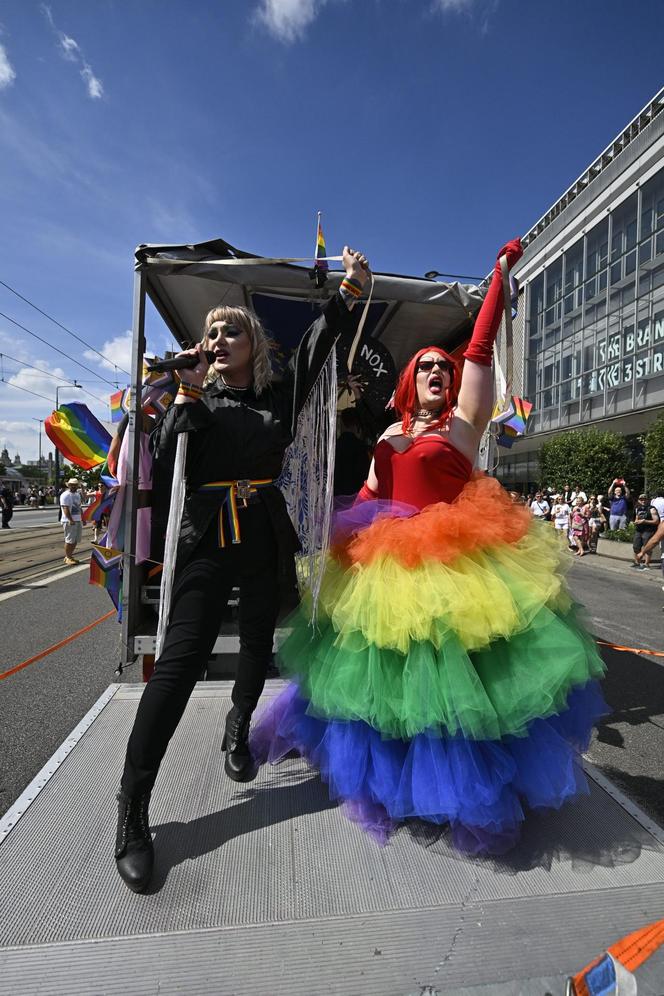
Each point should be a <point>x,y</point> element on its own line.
<point>612,550</point>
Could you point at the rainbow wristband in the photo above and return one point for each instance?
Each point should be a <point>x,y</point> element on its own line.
<point>351,286</point>
<point>191,391</point>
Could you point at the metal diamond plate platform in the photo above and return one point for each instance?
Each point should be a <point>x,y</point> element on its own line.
<point>266,888</point>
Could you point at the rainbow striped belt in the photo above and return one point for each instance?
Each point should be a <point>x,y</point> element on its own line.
<point>232,492</point>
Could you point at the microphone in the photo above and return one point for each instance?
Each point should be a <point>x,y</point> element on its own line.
<point>179,362</point>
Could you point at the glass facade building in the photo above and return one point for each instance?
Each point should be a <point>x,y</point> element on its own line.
<point>592,326</point>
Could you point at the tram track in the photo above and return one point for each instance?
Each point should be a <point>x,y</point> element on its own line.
<point>30,555</point>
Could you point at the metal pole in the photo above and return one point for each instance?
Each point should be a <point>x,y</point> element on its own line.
<point>41,422</point>
<point>56,464</point>
<point>131,575</point>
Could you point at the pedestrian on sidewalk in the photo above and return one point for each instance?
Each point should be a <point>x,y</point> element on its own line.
<point>596,521</point>
<point>72,518</point>
<point>646,521</point>
<point>539,507</point>
<point>7,506</point>
<point>658,502</point>
<point>560,512</point>
<point>579,527</point>
<point>618,494</point>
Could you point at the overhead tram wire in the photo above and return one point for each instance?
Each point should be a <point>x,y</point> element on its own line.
<point>66,380</point>
<point>51,346</point>
<point>61,326</point>
<point>25,390</point>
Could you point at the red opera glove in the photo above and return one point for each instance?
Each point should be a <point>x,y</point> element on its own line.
<point>365,494</point>
<point>487,323</point>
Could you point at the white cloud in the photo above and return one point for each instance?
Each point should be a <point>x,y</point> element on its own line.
<point>72,52</point>
<point>70,49</point>
<point>22,437</point>
<point>478,10</point>
<point>94,84</point>
<point>453,5</point>
<point>41,383</point>
<point>116,353</point>
<point>7,74</point>
<point>288,20</point>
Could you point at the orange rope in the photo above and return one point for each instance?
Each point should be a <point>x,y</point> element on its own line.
<point>631,951</point>
<point>631,650</point>
<point>56,646</point>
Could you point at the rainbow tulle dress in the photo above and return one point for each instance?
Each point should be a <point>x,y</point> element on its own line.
<point>448,678</point>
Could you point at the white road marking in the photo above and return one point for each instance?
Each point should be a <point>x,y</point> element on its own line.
<point>43,581</point>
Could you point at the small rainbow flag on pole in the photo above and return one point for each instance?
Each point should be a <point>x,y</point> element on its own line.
<point>321,250</point>
<point>117,404</point>
<point>105,570</point>
<point>79,436</point>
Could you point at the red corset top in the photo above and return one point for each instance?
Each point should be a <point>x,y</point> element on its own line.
<point>431,469</point>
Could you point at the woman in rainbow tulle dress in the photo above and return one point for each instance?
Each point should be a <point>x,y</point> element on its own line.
<point>447,678</point>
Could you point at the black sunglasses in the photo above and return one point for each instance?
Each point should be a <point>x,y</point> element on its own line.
<point>425,366</point>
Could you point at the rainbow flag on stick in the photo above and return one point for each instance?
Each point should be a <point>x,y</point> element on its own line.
<point>118,404</point>
<point>106,570</point>
<point>80,437</point>
<point>511,416</point>
<point>321,249</point>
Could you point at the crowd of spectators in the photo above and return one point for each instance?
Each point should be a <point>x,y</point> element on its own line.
<point>583,517</point>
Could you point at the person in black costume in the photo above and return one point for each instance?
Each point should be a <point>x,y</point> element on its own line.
<point>235,529</point>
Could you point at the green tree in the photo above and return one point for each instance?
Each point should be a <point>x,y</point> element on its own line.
<point>35,473</point>
<point>589,457</point>
<point>653,464</point>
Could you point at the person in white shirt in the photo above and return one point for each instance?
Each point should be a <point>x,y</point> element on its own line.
<point>539,506</point>
<point>560,514</point>
<point>577,492</point>
<point>658,503</point>
<point>72,519</point>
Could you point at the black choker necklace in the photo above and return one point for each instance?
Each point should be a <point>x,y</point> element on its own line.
<point>231,387</point>
<point>425,413</point>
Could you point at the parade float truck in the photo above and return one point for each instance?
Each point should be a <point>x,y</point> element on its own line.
<point>345,916</point>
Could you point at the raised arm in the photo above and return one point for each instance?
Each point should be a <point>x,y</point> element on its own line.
<point>336,320</point>
<point>476,392</point>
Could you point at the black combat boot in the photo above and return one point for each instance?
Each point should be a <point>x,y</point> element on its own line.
<point>134,853</point>
<point>239,763</point>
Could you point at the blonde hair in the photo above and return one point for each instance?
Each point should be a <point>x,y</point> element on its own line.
<point>261,344</point>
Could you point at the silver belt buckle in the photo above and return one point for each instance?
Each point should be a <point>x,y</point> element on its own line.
<point>243,491</point>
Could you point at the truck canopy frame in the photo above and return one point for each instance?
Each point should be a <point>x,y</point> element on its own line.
<point>185,281</point>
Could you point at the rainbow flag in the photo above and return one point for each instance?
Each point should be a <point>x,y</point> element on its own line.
<point>80,437</point>
<point>118,404</point>
<point>99,506</point>
<point>106,570</point>
<point>321,250</point>
<point>514,415</point>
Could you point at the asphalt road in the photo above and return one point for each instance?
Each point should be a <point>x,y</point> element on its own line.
<point>625,607</point>
<point>43,702</point>
<point>30,518</point>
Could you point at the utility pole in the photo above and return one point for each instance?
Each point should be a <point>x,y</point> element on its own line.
<point>41,422</point>
<point>57,451</point>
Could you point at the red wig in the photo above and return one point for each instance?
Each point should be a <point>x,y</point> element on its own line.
<point>405,395</point>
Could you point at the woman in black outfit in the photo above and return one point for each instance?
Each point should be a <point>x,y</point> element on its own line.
<point>235,530</point>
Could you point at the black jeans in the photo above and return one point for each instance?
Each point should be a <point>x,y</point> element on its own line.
<point>200,594</point>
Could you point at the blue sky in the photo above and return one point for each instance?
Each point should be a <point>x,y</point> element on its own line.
<point>428,132</point>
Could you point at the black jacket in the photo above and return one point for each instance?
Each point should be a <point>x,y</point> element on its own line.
<point>235,435</point>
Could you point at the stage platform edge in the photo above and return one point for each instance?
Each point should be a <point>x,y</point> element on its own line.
<point>344,915</point>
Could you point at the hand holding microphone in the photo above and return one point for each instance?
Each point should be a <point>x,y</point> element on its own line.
<point>192,372</point>
<point>187,360</point>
